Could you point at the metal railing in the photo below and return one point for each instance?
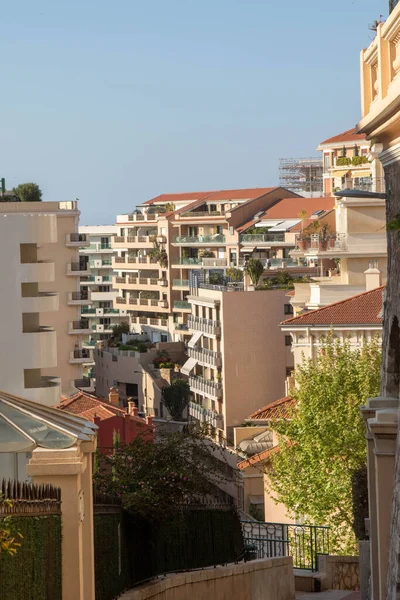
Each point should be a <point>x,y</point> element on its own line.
<point>78,237</point>
<point>82,324</point>
<point>200,239</point>
<point>303,542</point>
<point>364,184</point>
<point>205,415</point>
<point>207,387</point>
<point>201,213</point>
<point>314,243</point>
<point>204,325</point>
<point>205,356</point>
<point>79,296</point>
<point>262,237</point>
<point>187,261</point>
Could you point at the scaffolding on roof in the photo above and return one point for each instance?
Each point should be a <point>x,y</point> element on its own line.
<point>301,175</point>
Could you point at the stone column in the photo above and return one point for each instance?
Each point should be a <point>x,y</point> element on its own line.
<point>70,470</point>
<point>381,419</point>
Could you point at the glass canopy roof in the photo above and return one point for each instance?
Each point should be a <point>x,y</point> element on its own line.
<point>26,425</point>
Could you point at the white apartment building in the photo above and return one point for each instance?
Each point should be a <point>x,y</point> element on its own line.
<point>41,326</point>
<point>100,311</point>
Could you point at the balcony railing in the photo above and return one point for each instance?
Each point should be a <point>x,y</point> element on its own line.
<point>200,239</point>
<point>85,310</point>
<point>187,261</point>
<point>143,302</point>
<point>261,237</point>
<point>141,217</point>
<point>364,184</point>
<point>80,295</point>
<point>82,353</point>
<point>315,243</point>
<point>208,387</point>
<point>205,356</point>
<point>204,325</point>
<point>180,282</point>
<point>205,415</point>
<point>150,321</point>
<point>181,327</point>
<point>201,213</point>
<point>120,300</point>
<point>182,304</point>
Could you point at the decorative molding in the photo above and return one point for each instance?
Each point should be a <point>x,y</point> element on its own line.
<point>390,156</point>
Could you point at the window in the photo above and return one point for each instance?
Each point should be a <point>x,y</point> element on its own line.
<point>105,243</point>
<point>326,162</point>
<point>288,340</point>
<point>288,309</point>
<point>164,337</point>
<point>289,371</point>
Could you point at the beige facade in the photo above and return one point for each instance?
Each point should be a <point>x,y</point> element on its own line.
<point>41,241</point>
<point>200,237</point>
<point>238,360</point>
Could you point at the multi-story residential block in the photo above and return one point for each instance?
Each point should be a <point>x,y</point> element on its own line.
<point>238,358</point>
<point>100,312</point>
<point>347,164</point>
<point>174,238</point>
<point>46,296</point>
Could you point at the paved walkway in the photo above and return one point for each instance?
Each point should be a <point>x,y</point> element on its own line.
<point>329,595</point>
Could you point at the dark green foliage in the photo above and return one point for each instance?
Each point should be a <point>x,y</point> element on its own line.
<point>216,279</point>
<point>254,269</point>
<point>359,485</point>
<point>234,274</point>
<point>190,538</point>
<point>176,398</point>
<point>109,555</point>
<point>28,192</point>
<point>34,573</point>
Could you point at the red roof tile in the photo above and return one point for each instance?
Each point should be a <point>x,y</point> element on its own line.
<point>289,208</point>
<point>347,136</point>
<point>280,409</point>
<point>257,458</point>
<point>363,309</point>
<point>244,194</point>
<point>88,406</point>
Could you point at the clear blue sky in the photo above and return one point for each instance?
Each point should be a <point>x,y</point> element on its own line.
<point>116,102</point>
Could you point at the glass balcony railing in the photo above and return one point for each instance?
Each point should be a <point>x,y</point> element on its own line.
<point>187,261</point>
<point>180,282</point>
<point>262,237</point>
<point>182,304</point>
<point>200,239</point>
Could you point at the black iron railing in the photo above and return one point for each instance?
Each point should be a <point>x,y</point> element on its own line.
<point>303,542</point>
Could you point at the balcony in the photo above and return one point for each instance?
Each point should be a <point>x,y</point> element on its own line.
<point>88,311</point>
<point>37,272</point>
<point>267,239</point>
<point>81,327</point>
<point>148,304</point>
<point>39,349</point>
<point>206,387</point>
<point>101,264</point>
<point>79,298</point>
<point>182,306</point>
<point>205,357</point>
<point>363,184</point>
<point>200,240</point>
<point>89,344</point>
<point>342,244</point>
<point>77,240</point>
<point>84,383</point>
<point>133,262</point>
<point>137,217</point>
<point>120,300</point>
<point>150,321</point>
<point>181,328</point>
<point>189,262</point>
<point>43,302</point>
<point>201,213</point>
<point>139,283</point>
<point>96,280</point>
<point>136,241</point>
<point>78,269</point>
<point>205,415</point>
<point>47,391</point>
<point>207,326</point>
<point>79,357</point>
<point>180,284</point>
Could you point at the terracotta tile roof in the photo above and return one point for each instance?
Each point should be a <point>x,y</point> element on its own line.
<point>280,409</point>
<point>88,406</point>
<point>306,223</point>
<point>362,309</point>
<point>244,194</point>
<point>289,208</point>
<point>291,293</point>
<point>263,456</point>
<point>347,136</point>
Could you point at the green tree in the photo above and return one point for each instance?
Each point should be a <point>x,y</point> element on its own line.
<point>323,443</point>
<point>254,270</point>
<point>28,192</point>
<point>234,274</point>
<point>153,478</point>
<point>176,398</point>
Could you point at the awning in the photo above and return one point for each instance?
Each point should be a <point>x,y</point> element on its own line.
<point>268,222</point>
<point>285,225</point>
<point>362,173</point>
<point>340,173</point>
<point>194,339</point>
<point>188,366</point>
<point>256,499</point>
<point>247,249</point>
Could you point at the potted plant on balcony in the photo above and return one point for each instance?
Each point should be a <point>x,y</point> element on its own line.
<point>206,253</point>
<point>159,253</point>
<point>303,241</point>
<point>325,235</point>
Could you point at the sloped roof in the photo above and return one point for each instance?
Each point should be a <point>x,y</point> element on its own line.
<point>263,456</point>
<point>88,406</point>
<point>362,309</point>
<point>289,208</point>
<point>243,194</point>
<point>347,136</point>
<point>280,409</point>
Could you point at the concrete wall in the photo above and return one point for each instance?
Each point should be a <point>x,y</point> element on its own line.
<point>273,512</point>
<point>270,579</point>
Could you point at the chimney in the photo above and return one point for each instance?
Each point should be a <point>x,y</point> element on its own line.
<point>289,384</point>
<point>149,420</point>
<point>113,396</point>
<point>132,408</point>
<point>372,277</point>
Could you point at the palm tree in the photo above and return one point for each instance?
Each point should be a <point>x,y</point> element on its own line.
<point>254,270</point>
<point>303,216</point>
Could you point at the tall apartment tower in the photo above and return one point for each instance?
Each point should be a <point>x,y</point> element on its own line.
<point>97,287</point>
<point>42,327</point>
<point>176,237</point>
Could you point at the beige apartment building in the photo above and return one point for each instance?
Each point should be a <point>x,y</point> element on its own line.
<point>100,312</point>
<point>238,358</point>
<point>42,328</point>
<point>175,239</point>
<point>349,164</point>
